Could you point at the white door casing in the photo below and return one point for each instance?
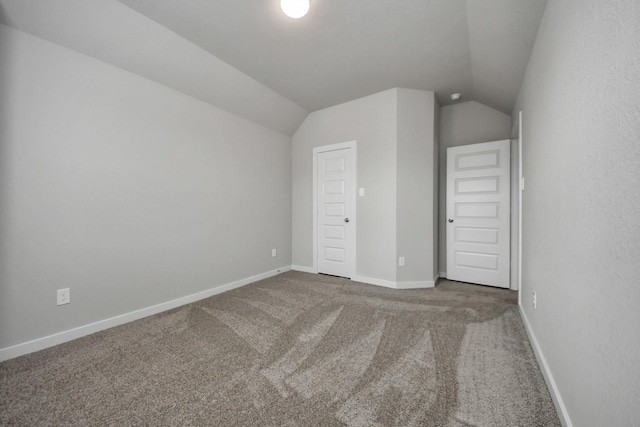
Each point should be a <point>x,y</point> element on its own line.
<point>334,209</point>
<point>478,213</point>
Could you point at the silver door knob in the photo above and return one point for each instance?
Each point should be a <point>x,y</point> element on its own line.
<point>346,220</point>
<point>450,219</point>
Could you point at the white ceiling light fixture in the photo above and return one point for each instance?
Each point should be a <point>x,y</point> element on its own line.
<point>455,96</point>
<point>295,8</point>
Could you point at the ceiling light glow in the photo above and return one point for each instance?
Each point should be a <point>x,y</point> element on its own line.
<point>295,8</point>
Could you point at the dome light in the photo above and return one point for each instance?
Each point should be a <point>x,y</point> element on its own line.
<point>295,8</point>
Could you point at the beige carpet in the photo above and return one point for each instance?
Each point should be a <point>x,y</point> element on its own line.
<point>295,350</point>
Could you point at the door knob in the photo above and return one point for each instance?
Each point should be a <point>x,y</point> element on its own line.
<point>450,219</point>
<point>346,220</point>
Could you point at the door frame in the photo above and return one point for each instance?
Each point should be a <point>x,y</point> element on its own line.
<point>323,149</point>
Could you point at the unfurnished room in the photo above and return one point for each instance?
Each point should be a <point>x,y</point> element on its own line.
<point>320,212</point>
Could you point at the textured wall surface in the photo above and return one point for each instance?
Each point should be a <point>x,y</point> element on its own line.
<point>581,205</point>
<point>129,193</point>
<point>371,121</point>
<point>462,124</point>
<point>114,33</point>
<point>416,181</point>
<point>394,131</point>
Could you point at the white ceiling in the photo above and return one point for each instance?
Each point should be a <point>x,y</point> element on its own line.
<point>346,49</point>
<point>342,50</point>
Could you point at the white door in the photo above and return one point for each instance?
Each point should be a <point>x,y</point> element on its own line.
<point>478,213</point>
<point>335,230</point>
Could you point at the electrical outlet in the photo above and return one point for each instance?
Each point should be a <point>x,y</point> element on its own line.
<point>64,296</point>
<point>401,261</point>
<point>273,253</point>
<point>534,301</point>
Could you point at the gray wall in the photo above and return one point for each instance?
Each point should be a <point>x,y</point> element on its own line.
<point>148,49</point>
<point>127,192</point>
<point>395,138</point>
<point>581,205</point>
<point>417,176</point>
<point>372,122</point>
<point>462,124</point>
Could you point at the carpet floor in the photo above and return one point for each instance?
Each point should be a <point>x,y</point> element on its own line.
<point>296,349</point>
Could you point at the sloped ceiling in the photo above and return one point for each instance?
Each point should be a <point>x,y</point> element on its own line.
<point>342,50</point>
<point>117,35</point>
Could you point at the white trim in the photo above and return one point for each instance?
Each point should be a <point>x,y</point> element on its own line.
<point>561,409</point>
<point>396,285</point>
<point>377,282</point>
<point>443,275</point>
<point>81,331</point>
<point>315,210</point>
<point>303,269</point>
<point>322,149</point>
<point>416,285</point>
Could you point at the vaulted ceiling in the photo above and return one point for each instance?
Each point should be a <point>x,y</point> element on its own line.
<point>345,49</point>
<point>342,50</point>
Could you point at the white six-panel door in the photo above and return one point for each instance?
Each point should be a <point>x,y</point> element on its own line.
<point>335,229</point>
<point>478,213</point>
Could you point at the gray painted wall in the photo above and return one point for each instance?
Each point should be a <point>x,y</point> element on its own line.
<point>581,205</point>
<point>128,192</point>
<point>371,121</point>
<point>417,176</point>
<point>394,131</point>
<point>148,49</point>
<point>462,124</point>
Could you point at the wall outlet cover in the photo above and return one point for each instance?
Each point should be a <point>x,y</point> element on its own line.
<point>63,296</point>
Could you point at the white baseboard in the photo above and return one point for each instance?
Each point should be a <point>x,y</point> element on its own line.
<point>378,282</point>
<point>443,274</point>
<point>303,269</point>
<point>372,281</point>
<point>546,373</point>
<point>416,285</point>
<point>395,285</point>
<point>81,331</point>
